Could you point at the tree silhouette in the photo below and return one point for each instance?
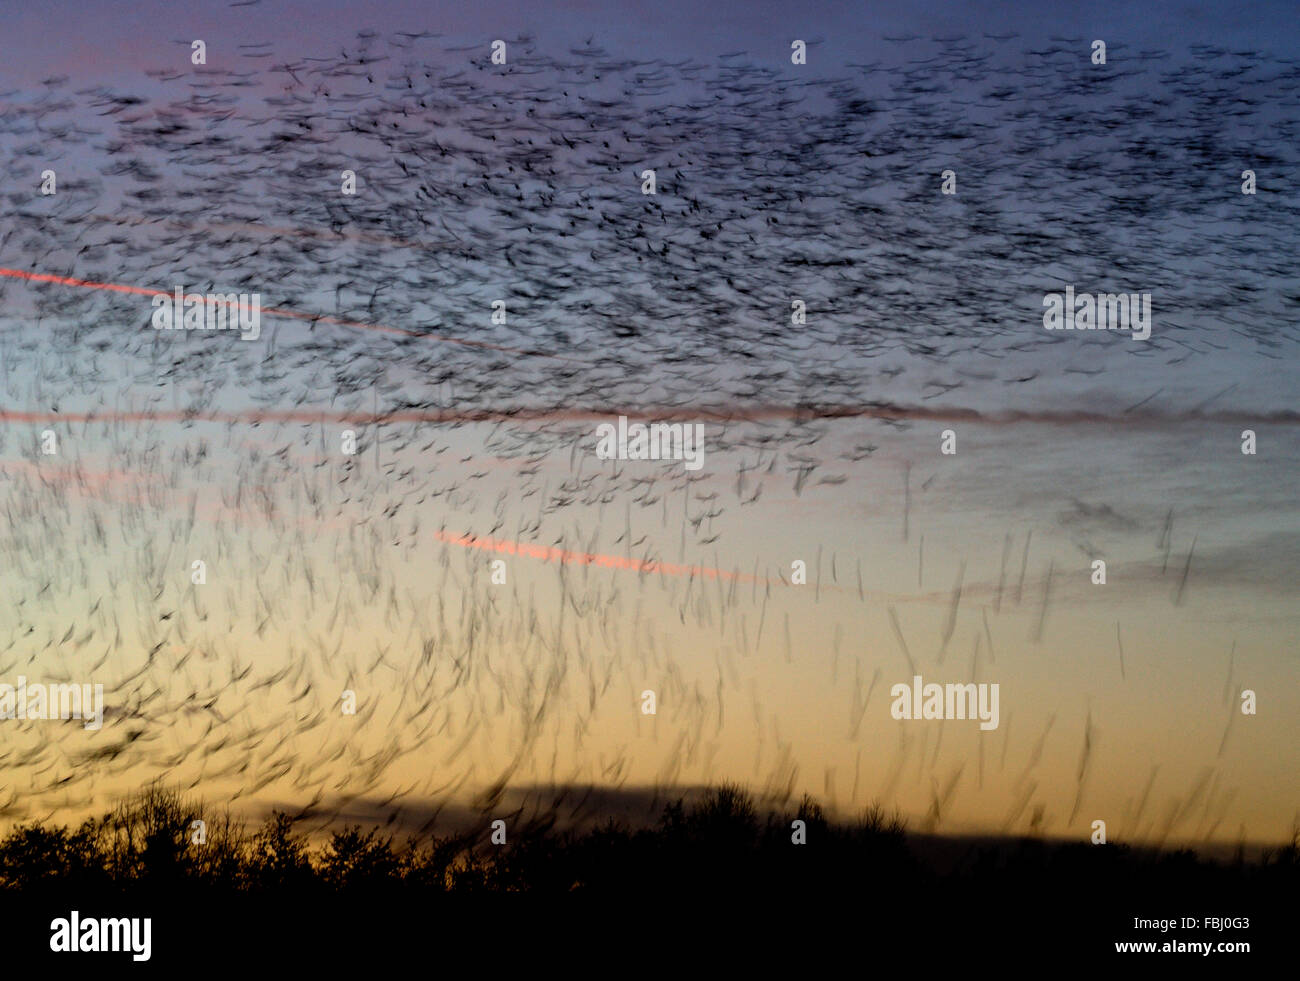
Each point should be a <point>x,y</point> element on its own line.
<point>719,843</point>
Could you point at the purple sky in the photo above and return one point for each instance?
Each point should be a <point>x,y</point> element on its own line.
<point>38,40</point>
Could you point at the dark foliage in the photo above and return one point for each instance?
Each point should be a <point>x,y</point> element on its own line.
<point>714,860</point>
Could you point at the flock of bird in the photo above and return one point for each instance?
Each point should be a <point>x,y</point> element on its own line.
<point>479,182</point>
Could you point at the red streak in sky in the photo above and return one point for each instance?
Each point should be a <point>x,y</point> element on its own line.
<point>273,311</point>
<point>566,557</point>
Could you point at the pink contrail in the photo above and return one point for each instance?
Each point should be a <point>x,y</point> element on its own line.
<point>273,311</point>
<point>503,546</point>
<point>566,557</point>
<point>748,412</point>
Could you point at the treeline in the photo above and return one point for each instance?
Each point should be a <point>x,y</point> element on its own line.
<point>706,865</point>
<point>148,841</point>
<point>718,840</point>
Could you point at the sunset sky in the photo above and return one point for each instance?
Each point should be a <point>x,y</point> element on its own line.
<point>372,573</point>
